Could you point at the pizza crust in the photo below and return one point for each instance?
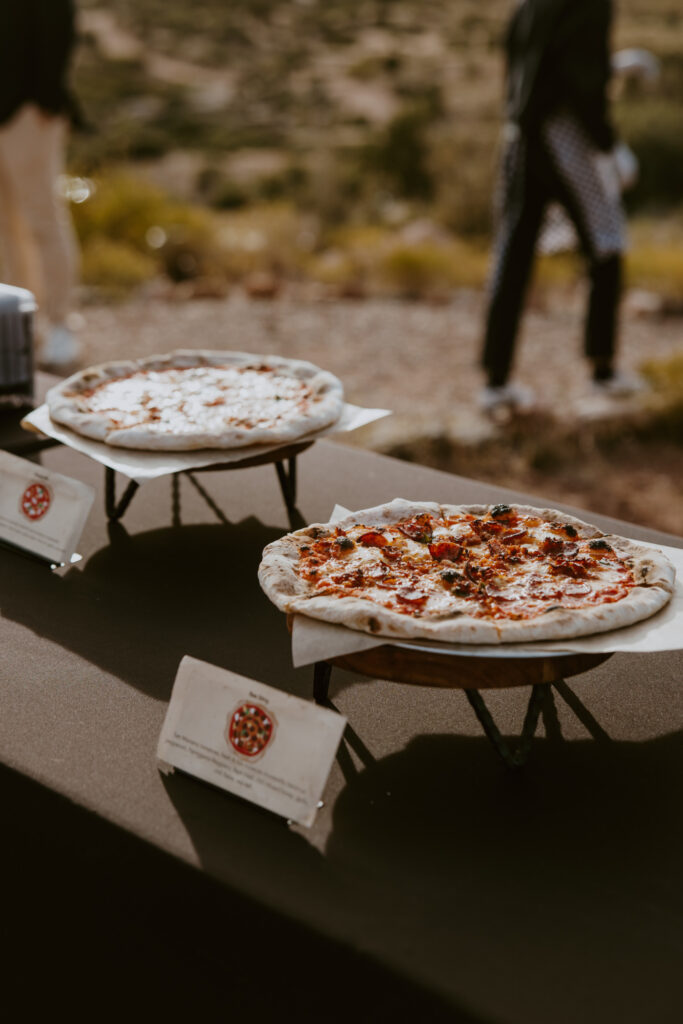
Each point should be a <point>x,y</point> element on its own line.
<point>314,400</point>
<point>282,584</point>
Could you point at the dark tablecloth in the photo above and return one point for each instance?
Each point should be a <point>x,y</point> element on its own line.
<point>434,883</point>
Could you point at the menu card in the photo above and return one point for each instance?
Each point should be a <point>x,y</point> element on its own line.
<point>41,512</point>
<point>250,739</point>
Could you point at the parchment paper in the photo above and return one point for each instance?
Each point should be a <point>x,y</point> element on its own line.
<point>313,640</point>
<point>140,466</point>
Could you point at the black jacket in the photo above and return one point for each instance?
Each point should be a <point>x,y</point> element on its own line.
<point>36,40</point>
<point>558,58</point>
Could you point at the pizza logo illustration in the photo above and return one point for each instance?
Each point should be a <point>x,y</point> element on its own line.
<point>250,729</point>
<point>35,501</point>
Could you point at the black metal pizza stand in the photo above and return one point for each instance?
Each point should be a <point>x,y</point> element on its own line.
<point>283,458</point>
<point>27,443</point>
<point>473,673</point>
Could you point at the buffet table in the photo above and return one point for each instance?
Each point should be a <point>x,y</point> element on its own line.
<point>434,882</point>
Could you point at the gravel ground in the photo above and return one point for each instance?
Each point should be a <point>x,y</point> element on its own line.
<point>417,359</point>
<point>420,360</point>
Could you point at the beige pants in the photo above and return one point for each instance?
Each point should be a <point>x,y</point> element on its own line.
<point>37,240</point>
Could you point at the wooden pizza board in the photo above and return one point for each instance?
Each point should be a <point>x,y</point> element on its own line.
<point>464,671</point>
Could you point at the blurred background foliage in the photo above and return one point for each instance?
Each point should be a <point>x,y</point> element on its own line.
<point>350,143</point>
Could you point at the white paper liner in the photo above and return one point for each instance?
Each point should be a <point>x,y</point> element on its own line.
<point>314,640</point>
<point>140,465</point>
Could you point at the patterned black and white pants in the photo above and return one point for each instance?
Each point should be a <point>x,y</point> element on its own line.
<point>559,165</point>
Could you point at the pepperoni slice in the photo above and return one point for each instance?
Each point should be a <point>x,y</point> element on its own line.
<point>419,528</point>
<point>446,549</point>
<point>486,529</point>
<point>514,537</point>
<point>551,545</point>
<point>373,539</point>
<point>574,569</point>
<point>555,546</point>
<point>349,579</point>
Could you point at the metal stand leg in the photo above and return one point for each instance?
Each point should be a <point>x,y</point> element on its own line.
<point>114,510</point>
<point>175,500</point>
<point>287,479</point>
<point>322,670</point>
<point>516,757</point>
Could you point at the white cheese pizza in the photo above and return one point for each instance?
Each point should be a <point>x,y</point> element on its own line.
<point>197,399</point>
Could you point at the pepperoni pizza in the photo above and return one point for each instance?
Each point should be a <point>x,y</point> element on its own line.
<point>472,574</point>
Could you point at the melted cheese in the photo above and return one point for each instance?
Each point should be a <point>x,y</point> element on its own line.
<point>515,581</point>
<point>202,399</point>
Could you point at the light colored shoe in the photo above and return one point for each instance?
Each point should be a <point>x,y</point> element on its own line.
<point>507,396</point>
<point>61,350</point>
<point>621,385</point>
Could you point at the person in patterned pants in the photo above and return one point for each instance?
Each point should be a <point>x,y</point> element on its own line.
<point>558,147</point>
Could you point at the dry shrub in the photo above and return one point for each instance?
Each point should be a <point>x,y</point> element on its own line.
<point>666,374</point>
<point>335,268</point>
<point>558,270</point>
<point>115,267</point>
<point>658,266</point>
<point>125,207</point>
<point>127,217</point>
<point>418,270</point>
<point>269,236</point>
<point>463,168</point>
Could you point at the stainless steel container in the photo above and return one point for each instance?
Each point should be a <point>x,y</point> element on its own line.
<point>17,307</point>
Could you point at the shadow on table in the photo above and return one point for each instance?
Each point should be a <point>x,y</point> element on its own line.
<point>100,925</point>
<point>141,603</point>
<point>254,851</point>
<point>552,893</point>
<point>548,894</point>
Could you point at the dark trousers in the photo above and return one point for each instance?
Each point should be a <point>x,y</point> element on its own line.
<point>531,183</point>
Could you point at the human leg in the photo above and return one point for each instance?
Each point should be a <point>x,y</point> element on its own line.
<point>523,203</point>
<point>32,153</point>
<point>18,260</point>
<point>601,318</point>
<point>594,206</point>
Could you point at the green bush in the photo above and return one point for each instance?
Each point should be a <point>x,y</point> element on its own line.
<point>115,267</point>
<point>416,269</point>
<point>657,266</point>
<point>400,155</point>
<point>268,236</point>
<point>124,208</point>
<point>653,127</point>
<point>666,422</point>
<point>178,238</point>
<point>463,162</point>
<point>666,374</point>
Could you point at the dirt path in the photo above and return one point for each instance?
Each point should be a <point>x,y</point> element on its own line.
<point>417,359</point>
<point>421,362</point>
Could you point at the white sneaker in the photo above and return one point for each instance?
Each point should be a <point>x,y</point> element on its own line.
<point>621,385</point>
<point>507,396</point>
<point>61,350</point>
